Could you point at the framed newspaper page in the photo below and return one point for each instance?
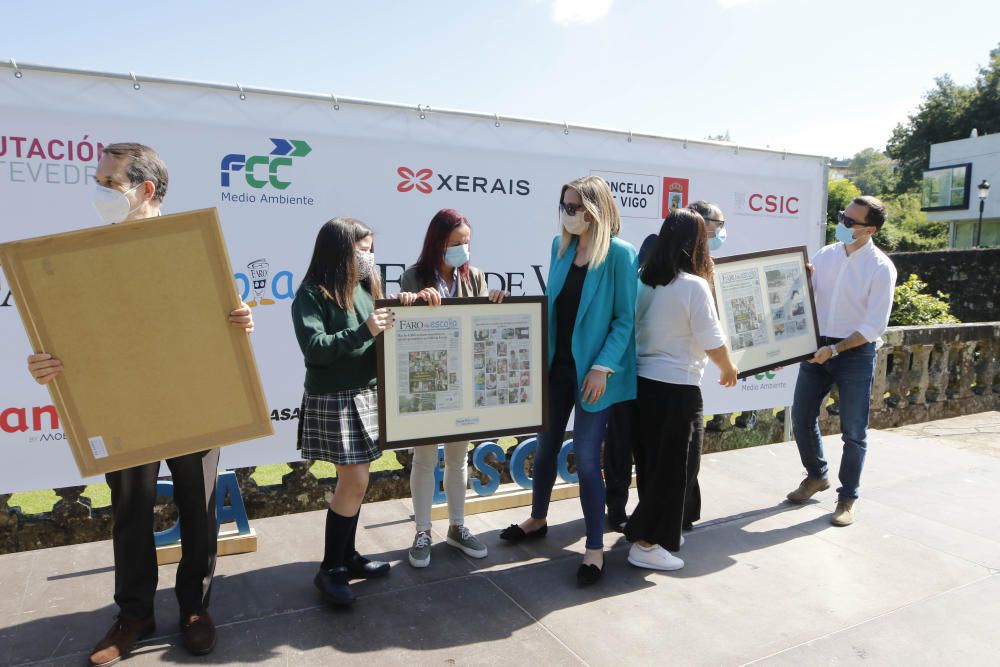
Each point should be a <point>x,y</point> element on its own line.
<point>465,370</point>
<point>138,314</point>
<point>767,309</point>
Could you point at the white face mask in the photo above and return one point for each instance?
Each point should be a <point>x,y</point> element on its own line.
<point>112,205</point>
<point>366,263</point>
<point>575,224</point>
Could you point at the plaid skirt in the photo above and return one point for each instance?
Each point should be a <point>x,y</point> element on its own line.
<point>340,427</point>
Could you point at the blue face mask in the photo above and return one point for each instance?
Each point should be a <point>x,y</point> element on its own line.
<point>456,255</point>
<point>844,235</point>
<point>715,242</point>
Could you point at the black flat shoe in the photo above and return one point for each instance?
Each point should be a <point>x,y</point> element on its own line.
<point>334,587</point>
<point>514,533</point>
<point>363,568</point>
<point>587,575</point>
<point>617,521</point>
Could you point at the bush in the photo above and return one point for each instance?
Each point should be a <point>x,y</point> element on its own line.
<point>912,308</point>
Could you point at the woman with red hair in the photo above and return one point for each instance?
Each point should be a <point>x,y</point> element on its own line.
<point>443,271</point>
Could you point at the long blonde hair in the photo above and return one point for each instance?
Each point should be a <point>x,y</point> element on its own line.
<point>600,204</point>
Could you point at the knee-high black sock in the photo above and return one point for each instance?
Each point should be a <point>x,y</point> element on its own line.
<point>338,532</point>
<point>349,547</point>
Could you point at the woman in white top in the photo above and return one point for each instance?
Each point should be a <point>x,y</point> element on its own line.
<point>677,330</point>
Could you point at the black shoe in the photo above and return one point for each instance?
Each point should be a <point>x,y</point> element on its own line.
<point>334,587</point>
<point>362,568</point>
<point>514,533</point>
<point>687,527</point>
<point>617,520</point>
<point>587,575</point>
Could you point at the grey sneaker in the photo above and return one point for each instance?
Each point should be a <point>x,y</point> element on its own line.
<point>463,540</point>
<point>844,514</point>
<point>420,552</point>
<point>807,489</point>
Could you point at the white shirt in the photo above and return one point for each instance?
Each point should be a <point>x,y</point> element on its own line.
<point>674,325</point>
<point>853,292</point>
<point>443,288</point>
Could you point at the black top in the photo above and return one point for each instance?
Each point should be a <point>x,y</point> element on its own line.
<point>567,303</point>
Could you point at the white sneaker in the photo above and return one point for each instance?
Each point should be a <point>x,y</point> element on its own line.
<point>653,558</point>
<point>420,553</point>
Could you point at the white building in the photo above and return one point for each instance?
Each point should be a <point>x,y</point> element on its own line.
<point>951,190</point>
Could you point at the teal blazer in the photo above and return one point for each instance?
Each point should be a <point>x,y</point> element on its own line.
<point>604,333</point>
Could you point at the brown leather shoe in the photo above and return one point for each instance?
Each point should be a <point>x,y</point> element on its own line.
<point>807,489</point>
<point>198,632</point>
<point>120,639</point>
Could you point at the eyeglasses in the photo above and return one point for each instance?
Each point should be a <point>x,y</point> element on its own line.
<point>722,223</point>
<point>850,222</point>
<point>570,209</point>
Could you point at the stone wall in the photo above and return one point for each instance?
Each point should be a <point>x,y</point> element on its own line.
<point>922,373</point>
<point>971,279</point>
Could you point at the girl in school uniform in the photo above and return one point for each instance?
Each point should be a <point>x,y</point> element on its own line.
<point>336,324</point>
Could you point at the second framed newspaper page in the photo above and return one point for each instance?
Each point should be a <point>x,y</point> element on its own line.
<point>465,370</point>
<point>767,309</point>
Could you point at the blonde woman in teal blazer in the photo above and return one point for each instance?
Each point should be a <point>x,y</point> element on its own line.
<point>591,290</point>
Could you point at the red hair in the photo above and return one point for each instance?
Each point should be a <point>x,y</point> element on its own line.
<point>431,257</point>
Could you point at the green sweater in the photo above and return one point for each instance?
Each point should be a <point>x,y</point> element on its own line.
<point>339,349</point>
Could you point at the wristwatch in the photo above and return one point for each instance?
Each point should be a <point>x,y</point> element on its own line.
<point>833,350</point>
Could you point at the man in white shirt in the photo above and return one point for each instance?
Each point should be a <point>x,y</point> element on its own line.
<point>853,282</point>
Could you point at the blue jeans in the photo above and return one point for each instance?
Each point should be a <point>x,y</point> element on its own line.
<point>852,371</point>
<point>588,433</point>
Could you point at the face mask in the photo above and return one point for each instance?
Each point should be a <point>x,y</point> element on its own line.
<point>716,241</point>
<point>844,235</point>
<point>113,206</point>
<point>576,224</point>
<point>366,262</point>
<point>456,255</point>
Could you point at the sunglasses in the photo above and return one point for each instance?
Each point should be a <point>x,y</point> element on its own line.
<point>850,222</point>
<point>570,209</point>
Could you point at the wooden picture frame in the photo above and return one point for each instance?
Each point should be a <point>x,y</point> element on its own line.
<point>439,371</point>
<point>138,314</point>
<point>766,305</point>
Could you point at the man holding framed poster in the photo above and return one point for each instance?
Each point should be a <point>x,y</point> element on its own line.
<point>131,182</point>
<point>854,284</point>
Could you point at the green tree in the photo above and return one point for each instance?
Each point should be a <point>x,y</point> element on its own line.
<point>907,228</point>
<point>912,308</point>
<point>839,194</point>
<point>948,112</point>
<point>984,107</point>
<point>872,172</point>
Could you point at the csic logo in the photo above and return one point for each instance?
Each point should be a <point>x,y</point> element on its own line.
<point>257,280</point>
<point>774,205</point>
<point>281,156</point>
<point>419,180</point>
<point>413,180</point>
<point>20,420</point>
<point>646,195</point>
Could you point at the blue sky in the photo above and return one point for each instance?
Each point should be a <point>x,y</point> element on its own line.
<point>802,75</point>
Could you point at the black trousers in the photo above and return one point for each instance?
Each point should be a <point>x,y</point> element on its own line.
<point>133,494</point>
<point>618,445</point>
<point>670,426</point>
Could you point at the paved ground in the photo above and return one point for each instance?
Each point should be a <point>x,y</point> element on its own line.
<point>913,582</point>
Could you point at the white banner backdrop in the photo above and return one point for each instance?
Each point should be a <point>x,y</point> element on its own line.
<point>278,166</point>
